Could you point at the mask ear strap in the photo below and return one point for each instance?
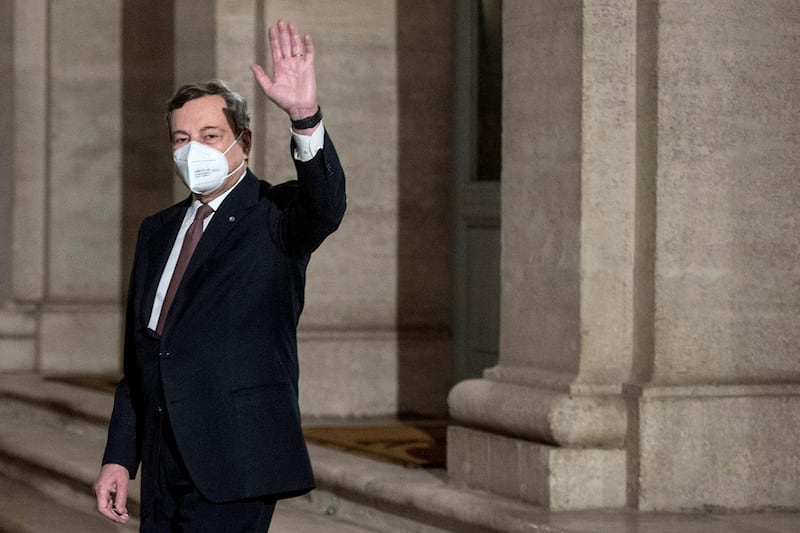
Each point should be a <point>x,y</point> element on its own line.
<point>235,170</point>
<point>234,142</point>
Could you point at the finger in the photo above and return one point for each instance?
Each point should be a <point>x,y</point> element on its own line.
<point>261,77</point>
<point>284,39</point>
<point>275,45</point>
<point>103,500</point>
<point>105,503</point>
<point>296,43</point>
<point>309,47</point>
<point>120,503</point>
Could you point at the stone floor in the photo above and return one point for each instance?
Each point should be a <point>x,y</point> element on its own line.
<point>24,509</point>
<point>51,438</point>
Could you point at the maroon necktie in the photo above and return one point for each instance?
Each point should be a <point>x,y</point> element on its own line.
<point>190,241</point>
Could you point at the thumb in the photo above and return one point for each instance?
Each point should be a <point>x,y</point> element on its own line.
<point>121,500</point>
<point>261,77</point>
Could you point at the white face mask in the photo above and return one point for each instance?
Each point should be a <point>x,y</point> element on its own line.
<point>202,168</point>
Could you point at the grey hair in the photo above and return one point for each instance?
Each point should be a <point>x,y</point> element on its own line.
<point>236,104</point>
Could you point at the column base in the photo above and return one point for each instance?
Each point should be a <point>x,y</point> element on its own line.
<point>549,476</point>
<point>78,338</point>
<point>374,373</point>
<point>706,447</point>
<point>540,439</point>
<point>17,340</point>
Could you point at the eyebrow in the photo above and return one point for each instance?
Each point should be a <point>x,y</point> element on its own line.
<point>202,130</point>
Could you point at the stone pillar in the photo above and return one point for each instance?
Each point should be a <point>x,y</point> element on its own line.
<point>63,315</point>
<point>80,318</point>
<point>373,337</point>
<point>718,423</point>
<point>548,424</point>
<point>148,74</point>
<point>17,323</point>
<point>649,333</point>
<point>6,149</point>
<point>19,319</point>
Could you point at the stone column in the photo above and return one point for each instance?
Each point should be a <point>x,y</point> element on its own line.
<point>718,421</point>
<point>373,336</point>
<point>80,317</point>
<point>650,238</point>
<point>21,67</point>
<point>6,149</point>
<point>19,319</point>
<point>548,423</point>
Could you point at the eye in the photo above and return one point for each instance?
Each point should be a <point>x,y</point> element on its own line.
<point>179,141</point>
<point>210,137</point>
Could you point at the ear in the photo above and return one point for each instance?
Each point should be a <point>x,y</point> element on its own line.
<point>246,141</point>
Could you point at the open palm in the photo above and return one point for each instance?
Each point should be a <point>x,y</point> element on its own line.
<point>293,85</point>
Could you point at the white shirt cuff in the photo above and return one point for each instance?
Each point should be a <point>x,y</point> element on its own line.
<point>307,146</point>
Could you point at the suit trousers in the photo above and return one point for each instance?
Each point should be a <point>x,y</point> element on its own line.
<point>172,503</point>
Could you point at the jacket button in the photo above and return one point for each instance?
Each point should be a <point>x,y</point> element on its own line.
<point>165,355</point>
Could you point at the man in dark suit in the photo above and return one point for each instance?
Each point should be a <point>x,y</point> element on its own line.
<point>208,403</point>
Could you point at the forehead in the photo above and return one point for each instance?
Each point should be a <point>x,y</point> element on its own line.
<point>201,112</point>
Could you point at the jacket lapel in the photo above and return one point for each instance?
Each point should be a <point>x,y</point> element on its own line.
<point>159,248</point>
<point>241,199</point>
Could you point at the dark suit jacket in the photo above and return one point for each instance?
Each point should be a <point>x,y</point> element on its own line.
<point>227,358</point>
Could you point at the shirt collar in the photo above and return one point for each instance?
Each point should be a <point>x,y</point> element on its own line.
<point>216,202</point>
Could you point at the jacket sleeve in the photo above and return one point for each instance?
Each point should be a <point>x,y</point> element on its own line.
<point>123,445</point>
<point>319,205</point>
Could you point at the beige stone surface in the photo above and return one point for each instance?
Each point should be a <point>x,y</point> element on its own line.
<point>368,374</point>
<point>541,180</point>
<point>84,182</point>
<point>18,331</point>
<point>728,233</point>
<point>728,447</point>
<point>713,432</point>
<point>558,478</point>
<point>608,172</point>
<point>80,339</point>
<point>541,414</point>
<point>17,354</point>
<point>30,143</point>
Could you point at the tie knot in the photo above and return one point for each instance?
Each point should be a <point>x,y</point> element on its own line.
<point>203,211</point>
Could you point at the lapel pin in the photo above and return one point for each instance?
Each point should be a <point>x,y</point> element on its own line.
<point>231,219</point>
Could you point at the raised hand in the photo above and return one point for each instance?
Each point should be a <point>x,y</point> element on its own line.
<point>293,85</point>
